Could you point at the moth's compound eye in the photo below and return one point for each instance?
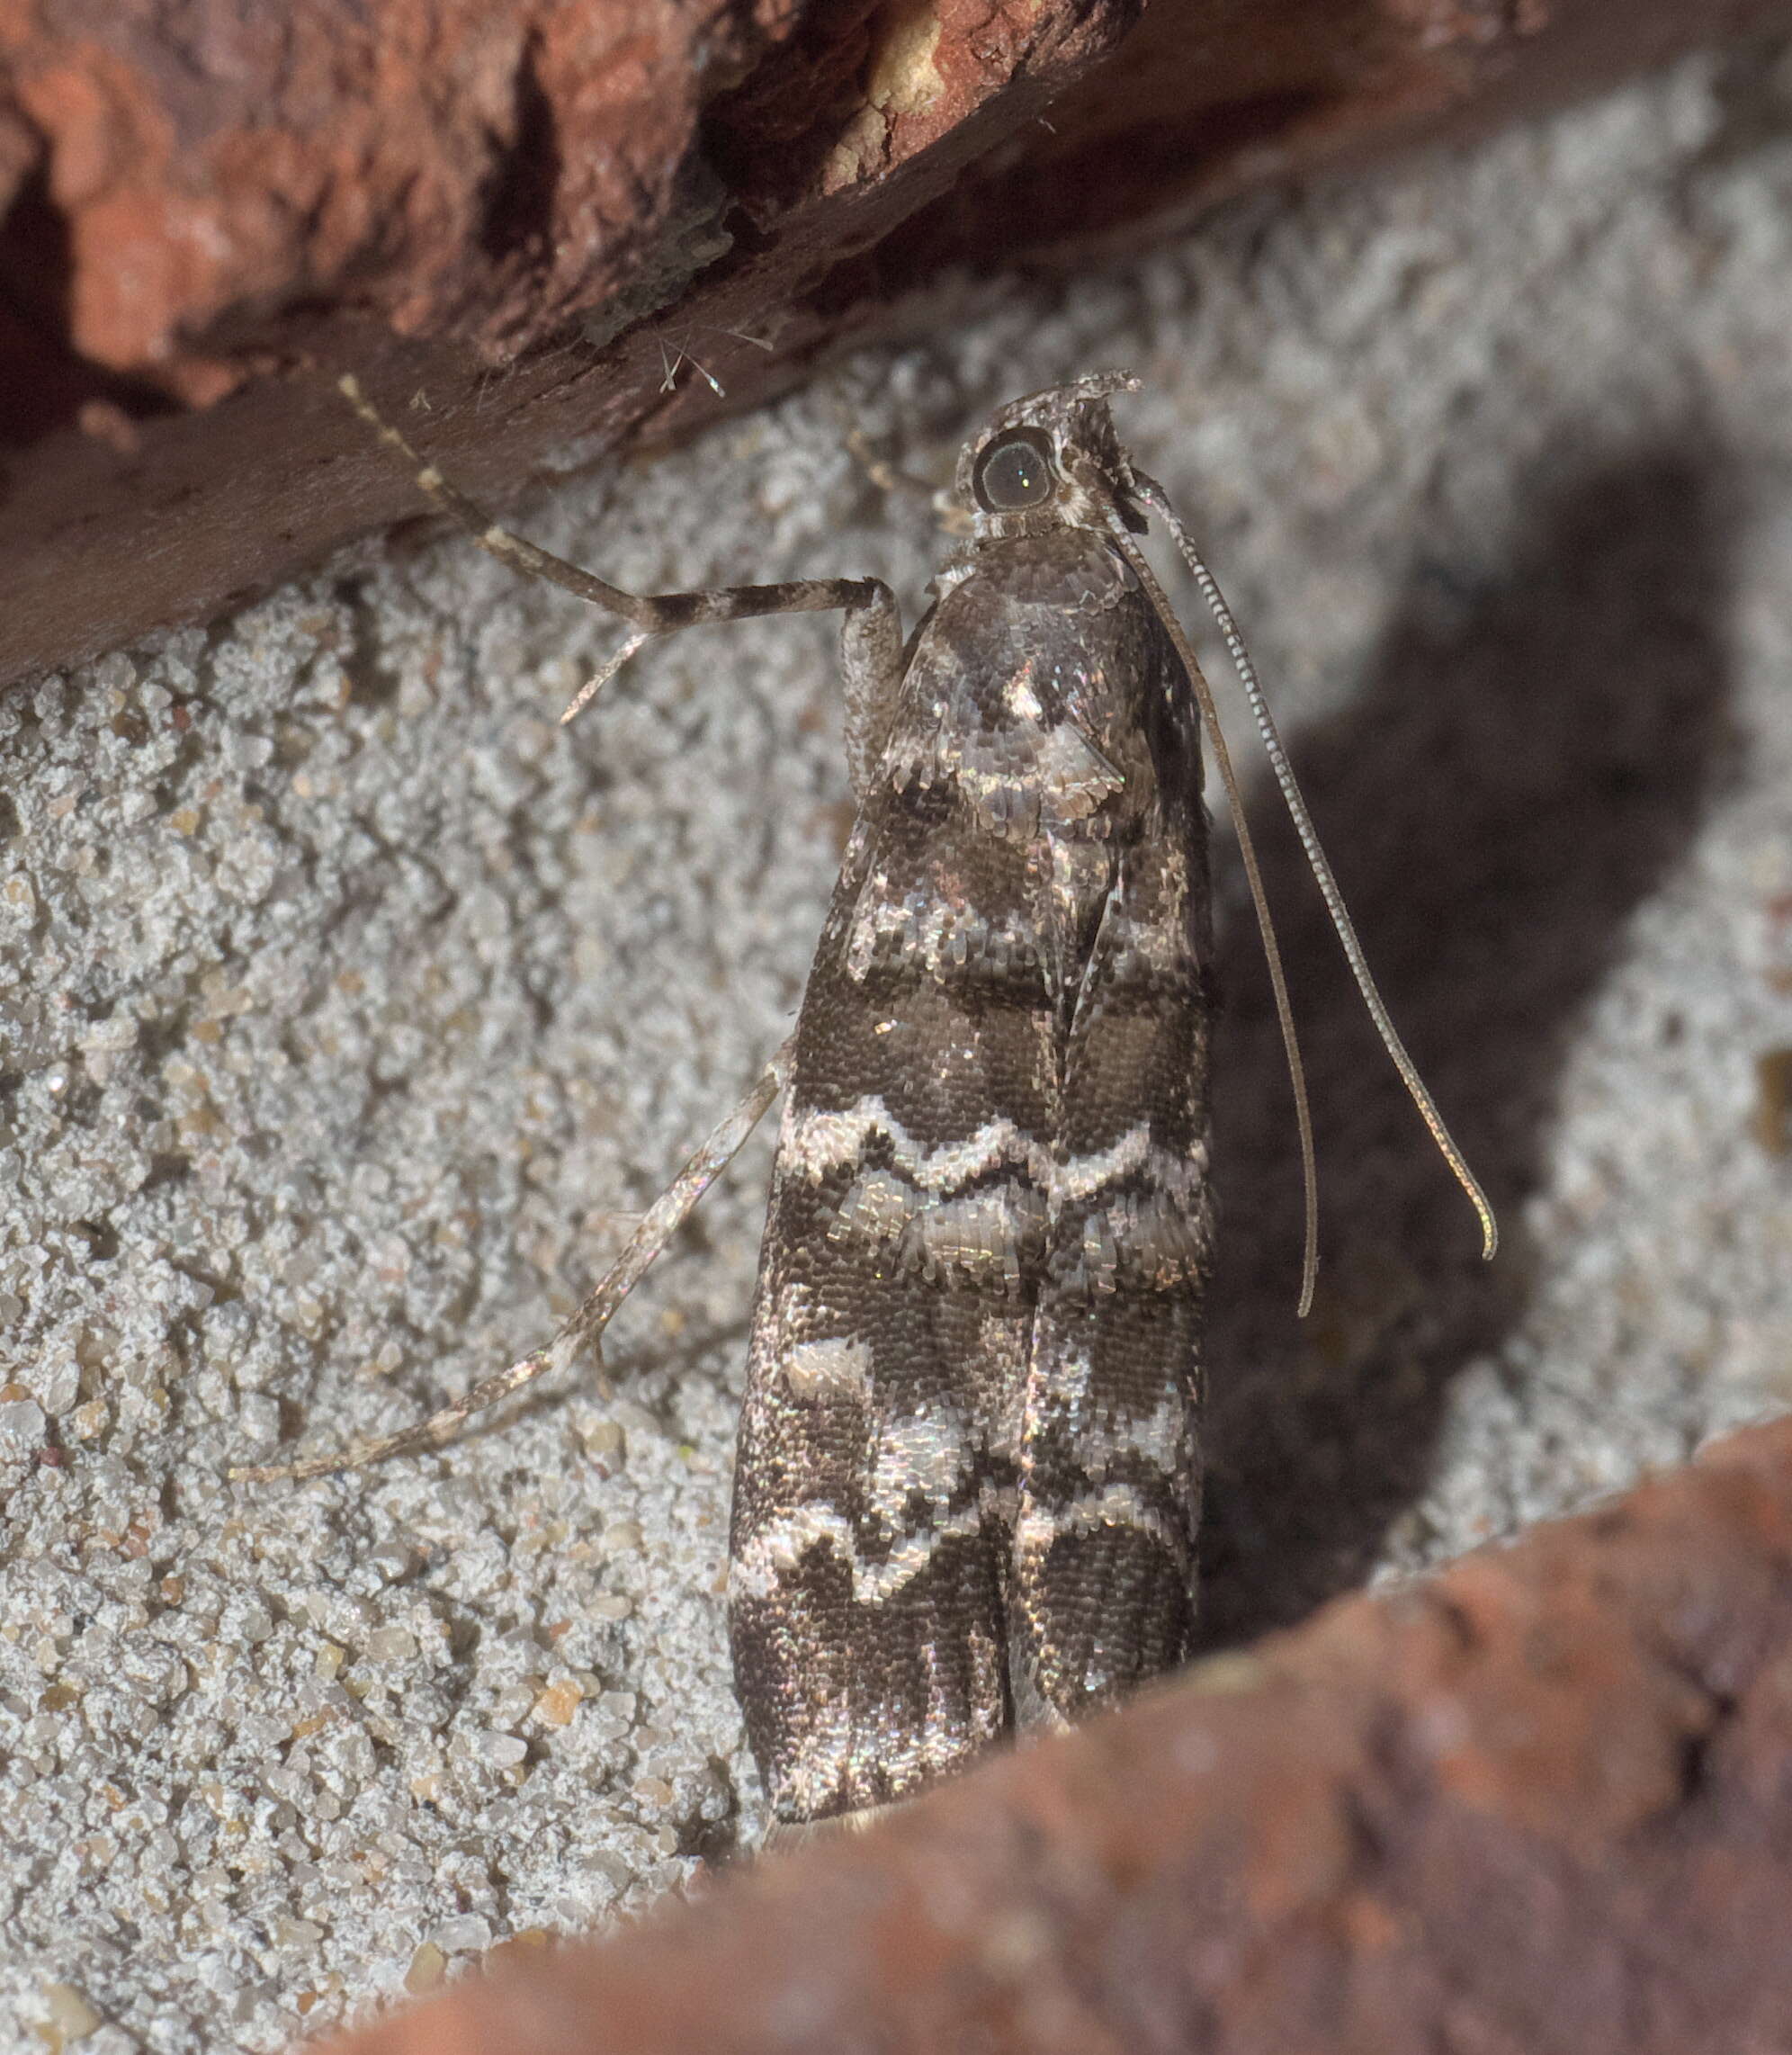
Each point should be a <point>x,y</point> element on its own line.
<point>1015,473</point>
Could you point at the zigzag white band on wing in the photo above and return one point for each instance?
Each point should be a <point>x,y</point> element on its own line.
<point>816,1142</point>
<point>763,1563</point>
<point>1113,1506</point>
<point>1160,1438</point>
<point>875,1582</point>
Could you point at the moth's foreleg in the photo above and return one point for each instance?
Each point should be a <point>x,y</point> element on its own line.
<point>871,678</point>
<point>658,614</point>
<point>660,1222</point>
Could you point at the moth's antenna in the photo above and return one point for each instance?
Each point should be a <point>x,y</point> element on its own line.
<point>1259,899</point>
<point>1155,496</point>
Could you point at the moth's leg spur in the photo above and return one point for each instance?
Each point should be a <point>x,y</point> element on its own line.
<point>660,614</point>
<point>660,1222</point>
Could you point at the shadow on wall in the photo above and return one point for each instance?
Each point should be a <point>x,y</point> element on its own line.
<point>1529,759</point>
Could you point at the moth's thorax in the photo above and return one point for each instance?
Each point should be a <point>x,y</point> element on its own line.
<point>1043,692</point>
<point>1052,566</point>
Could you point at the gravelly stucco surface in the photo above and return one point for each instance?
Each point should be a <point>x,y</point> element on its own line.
<point>350,1008</point>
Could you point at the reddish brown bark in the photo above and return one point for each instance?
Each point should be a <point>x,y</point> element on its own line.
<point>211,204</point>
<point>1541,1803</point>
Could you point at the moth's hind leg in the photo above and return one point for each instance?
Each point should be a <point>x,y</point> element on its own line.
<point>660,1222</point>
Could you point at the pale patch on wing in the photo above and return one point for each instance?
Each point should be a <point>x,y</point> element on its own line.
<point>1005,1345</point>
<point>837,1368</point>
<point>1164,1244</point>
<point>1064,1382</point>
<point>1075,774</point>
<point>927,1455</point>
<point>1099,1270</point>
<point>764,1560</point>
<point>1161,1439</point>
<point>822,1768</point>
<point>992,1237</point>
<point>1019,697</point>
<point>926,931</point>
<point>989,1237</point>
<point>878,1205</point>
<point>1142,1238</point>
<point>1020,777</point>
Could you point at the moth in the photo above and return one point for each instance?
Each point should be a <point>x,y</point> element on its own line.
<point>969,1469</point>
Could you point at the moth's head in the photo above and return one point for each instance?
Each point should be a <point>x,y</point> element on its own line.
<point>1051,460</point>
